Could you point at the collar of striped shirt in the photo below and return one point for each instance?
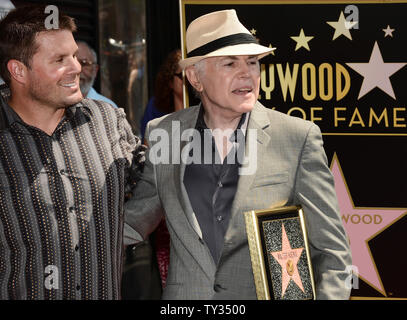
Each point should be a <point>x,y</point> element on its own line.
<point>8,116</point>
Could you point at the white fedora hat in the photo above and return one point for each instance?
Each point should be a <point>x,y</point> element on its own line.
<point>220,33</point>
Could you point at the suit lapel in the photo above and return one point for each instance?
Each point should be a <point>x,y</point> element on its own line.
<point>257,141</point>
<point>179,169</point>
<point>202,255</point>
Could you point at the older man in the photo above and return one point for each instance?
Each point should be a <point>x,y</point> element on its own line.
<point>63,163</point>
<point>88,59</point>
<point>205,187</point>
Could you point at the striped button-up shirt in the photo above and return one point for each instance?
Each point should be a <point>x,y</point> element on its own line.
<point>61,203</point>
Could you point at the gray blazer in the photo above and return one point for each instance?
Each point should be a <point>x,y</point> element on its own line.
<point>291,170</point>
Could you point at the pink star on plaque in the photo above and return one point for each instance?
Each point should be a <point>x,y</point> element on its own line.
<point>288,259</point>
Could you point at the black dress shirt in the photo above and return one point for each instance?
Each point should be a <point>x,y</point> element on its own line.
<point>211,187</point>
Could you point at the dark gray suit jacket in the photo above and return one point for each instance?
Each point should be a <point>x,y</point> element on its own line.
<point>287,166</point>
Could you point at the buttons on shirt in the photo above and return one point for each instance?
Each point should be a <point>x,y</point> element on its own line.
<point>78,287</point>
<point>219,218</point>
<point>220,185</point>
<point>76,247</point>
<point>62,172</point>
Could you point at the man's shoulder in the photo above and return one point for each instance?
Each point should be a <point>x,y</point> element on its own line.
<point>93,94</point>
<point>165,121</point>
<point>284,121</point>
<point>97,104</point>
<point>102,110</point>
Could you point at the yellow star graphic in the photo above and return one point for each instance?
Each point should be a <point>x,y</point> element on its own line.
<point>342,27</point>
<point>271,47</point>
<point>302,40</point>
<point>253,31</point>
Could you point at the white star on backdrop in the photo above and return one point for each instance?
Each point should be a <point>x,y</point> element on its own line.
<point>376,73</point>
<point>388,31</point>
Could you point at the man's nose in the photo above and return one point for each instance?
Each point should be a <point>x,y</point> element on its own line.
<point>244,70</point>
<point>75,65</point>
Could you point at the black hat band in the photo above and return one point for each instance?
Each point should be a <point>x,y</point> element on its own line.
<point>233,39</point>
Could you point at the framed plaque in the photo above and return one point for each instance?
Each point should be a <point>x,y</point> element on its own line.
<point>280,254</point>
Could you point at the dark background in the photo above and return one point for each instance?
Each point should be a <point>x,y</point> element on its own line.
<point>375,167</point>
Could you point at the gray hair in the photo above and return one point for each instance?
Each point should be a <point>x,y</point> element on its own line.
<point>200,68</point>
<point>92,51</point>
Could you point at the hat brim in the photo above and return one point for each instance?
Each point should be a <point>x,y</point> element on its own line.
<point>247,49</point>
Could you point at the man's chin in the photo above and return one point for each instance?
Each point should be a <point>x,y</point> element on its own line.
<point>247,107</point>
<point>74,99</point>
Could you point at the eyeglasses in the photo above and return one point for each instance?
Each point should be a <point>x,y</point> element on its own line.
<point>86,63</point>
<point>179,75</point>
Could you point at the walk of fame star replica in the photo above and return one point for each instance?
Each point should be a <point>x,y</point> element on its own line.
<point>280,254</point>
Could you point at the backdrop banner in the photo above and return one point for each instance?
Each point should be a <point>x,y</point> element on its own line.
<point>342,65</point>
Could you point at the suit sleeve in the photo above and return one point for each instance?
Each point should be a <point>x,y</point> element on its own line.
<point>143,212</point>
<point>315,191</point>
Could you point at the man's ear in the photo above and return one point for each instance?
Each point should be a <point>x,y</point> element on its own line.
<point>193,78</point>
<point>18,70</point>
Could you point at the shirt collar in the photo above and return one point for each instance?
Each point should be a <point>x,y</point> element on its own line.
<point>81,107</point>
<point>8,116</point>
<point>200,123</point>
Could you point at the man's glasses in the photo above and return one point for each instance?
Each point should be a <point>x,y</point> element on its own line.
<point>86,63</point>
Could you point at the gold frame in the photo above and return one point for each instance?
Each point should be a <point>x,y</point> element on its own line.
<point>256,246</point>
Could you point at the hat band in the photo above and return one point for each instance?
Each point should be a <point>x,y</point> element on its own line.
<point>233,39</point>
